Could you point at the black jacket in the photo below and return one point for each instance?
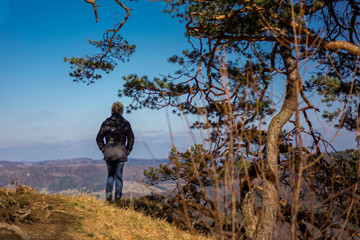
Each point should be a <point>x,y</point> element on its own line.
<point>115,129</point>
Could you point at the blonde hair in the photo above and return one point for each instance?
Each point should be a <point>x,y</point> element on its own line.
<point>117,108</point>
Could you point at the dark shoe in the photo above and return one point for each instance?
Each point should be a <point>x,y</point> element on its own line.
<point>108,199</point>
<point>117,200</point>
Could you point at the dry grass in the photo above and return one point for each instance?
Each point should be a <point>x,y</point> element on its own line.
<point>108,222</point>
<point>80,217</point>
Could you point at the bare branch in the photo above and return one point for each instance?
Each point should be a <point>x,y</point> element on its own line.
<point>92,2</point>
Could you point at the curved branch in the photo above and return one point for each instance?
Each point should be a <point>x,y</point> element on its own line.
<point>92,2</point>
<point>112,48</point>
<point>115,31</point>
<point>341,45</point>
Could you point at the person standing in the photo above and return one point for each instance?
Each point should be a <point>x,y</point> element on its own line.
<point>119,140</point>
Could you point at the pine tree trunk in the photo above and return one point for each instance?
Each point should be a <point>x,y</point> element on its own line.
<point>270,207</point>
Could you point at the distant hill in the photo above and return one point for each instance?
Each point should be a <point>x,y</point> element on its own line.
<point>71,176</point>
<point>10,164</point>
<point>67,162</point>
<point>82,161</point>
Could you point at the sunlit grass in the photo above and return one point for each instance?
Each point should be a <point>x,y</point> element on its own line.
<point>44,216</point>
<point>100,220</point>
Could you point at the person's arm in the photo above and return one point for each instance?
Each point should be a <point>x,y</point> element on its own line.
<point>130,139</point>
<point>100,139</point>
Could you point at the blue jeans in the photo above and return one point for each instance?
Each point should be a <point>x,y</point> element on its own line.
<point>115,171</point>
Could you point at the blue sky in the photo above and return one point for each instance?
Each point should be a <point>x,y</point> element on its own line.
<point>47,116</point>
<point>44,115</point>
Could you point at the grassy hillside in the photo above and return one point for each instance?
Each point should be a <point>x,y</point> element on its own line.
<point>26,214</point>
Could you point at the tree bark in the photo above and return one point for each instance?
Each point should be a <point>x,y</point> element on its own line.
<point>270,206</point>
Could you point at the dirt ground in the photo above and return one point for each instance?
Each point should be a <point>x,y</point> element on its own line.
<point>24,214</point>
